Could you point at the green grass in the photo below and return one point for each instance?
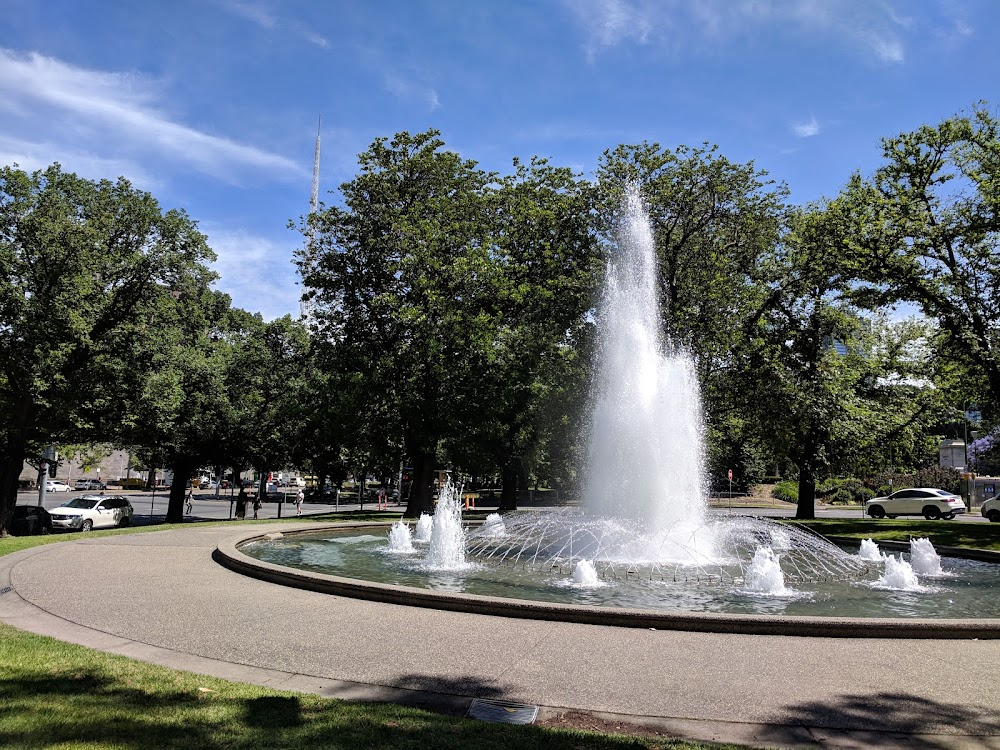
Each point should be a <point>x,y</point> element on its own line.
<point>941,533</point>
<point>56,694</point>
<point>59,695</point>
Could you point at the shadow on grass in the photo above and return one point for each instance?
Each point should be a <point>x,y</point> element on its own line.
<point>273,712</point>
<point>891,714</point>
<point>93,708</point>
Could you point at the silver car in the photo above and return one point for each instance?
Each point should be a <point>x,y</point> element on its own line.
<point>929,502</point>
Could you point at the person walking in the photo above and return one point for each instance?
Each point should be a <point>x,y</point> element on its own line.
<point>189,501</point>
<point>256,506</point>
<point>299,497</point>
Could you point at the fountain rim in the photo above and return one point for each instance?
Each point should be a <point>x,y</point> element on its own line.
<point>228,555</point>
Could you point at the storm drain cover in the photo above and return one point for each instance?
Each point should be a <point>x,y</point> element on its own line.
<point>502,712</point>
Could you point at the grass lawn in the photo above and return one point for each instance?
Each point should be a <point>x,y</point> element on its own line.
<point>941,533</point>
<point>59,695</point>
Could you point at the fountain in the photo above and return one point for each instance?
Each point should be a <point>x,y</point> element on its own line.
<point>644,538</point>
<point>645,509</point>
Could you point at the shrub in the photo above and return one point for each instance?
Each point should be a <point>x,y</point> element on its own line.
<point>840,496</point>
<point>786,491</point>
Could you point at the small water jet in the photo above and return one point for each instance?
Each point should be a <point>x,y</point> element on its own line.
<point>400,541</point>
<point>425,525</point>
<point>585,574</point>
<point>898,576</point>
<point>870,551</point>
<point>924,558</point>
<point>494,525</point>
<point>764,575</point>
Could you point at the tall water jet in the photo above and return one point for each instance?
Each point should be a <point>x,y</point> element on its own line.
<point>646,443</point>
<point>447,545</point>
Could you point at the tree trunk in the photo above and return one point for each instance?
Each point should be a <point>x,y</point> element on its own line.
<point>508,487</point>
<point>12,461</point>
<point>806,509</point>
<point>10,472</point>
<point>421,498</point>
<point>183,469</point>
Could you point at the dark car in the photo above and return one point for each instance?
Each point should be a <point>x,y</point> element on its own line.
<point>29,520</point>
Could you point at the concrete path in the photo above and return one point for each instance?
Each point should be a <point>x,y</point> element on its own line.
<point>159,597</point>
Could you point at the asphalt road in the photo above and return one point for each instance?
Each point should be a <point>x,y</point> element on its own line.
<point>152,509</point>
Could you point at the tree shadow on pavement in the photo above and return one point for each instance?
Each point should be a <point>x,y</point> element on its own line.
<point>924,723</point>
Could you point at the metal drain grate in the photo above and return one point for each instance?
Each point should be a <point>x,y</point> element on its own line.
<point>502,712</point>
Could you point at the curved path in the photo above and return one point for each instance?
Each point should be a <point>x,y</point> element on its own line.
<point>159,596</point>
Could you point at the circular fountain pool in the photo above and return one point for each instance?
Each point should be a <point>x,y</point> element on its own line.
<point>963,590</point>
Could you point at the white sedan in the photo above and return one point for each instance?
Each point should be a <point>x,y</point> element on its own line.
<point>54,485</point>
<point>92,511</point>
<point>929,502</point>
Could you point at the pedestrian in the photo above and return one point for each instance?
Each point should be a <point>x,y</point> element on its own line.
<point>241,504</point>
<point>299,497</point>
<point>189,501</point>
<point>256,505</point>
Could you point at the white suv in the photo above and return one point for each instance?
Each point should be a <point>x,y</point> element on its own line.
<point>991,510</point>
<point>929,502</point>
<point>92,511</point>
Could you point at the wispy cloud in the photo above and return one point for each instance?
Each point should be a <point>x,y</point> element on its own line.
<point>806,129</point>
<point>256,271</point>
<point>874,28</point>
<point>405,89</point>
<point>260,14</point>
<point>117,111</point>
<point>34,155</point>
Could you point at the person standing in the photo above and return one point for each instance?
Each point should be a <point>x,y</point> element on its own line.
<point>299,497</point>
<point>241,504</point>
<point>256,506</point>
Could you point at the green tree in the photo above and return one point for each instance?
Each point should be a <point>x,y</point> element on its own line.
<point>925,227</point>
<point>90,274</point>
<point>829,383</point>
<point>400,274</point>
<point>545,259</point>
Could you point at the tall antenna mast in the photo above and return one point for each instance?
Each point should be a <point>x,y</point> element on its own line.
<point>306,305</point>
<point>314,197</point>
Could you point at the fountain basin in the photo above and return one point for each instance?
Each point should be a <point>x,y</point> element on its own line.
<point>229,555</point>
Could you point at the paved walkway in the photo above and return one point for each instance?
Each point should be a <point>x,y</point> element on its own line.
<point>159,597</point>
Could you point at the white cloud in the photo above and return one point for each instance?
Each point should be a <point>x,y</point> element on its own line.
<point>806,129</point>
<point>35,155</point>
<point>872,27</point>
<point>888,49</point>
<point>118,111</point>
<point>253,12</point>
<point>257,272</point>
<point>258,13</point>
<point>404,89</point>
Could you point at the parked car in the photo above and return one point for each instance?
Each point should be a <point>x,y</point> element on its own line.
<point>30,519</point>
<point>89,484</point>
<point>54,485</point>
<point>929,502</point>
<point>991,510</point>
<point>91,512</point>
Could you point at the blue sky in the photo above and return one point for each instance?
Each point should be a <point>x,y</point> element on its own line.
<point>212,104</point>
